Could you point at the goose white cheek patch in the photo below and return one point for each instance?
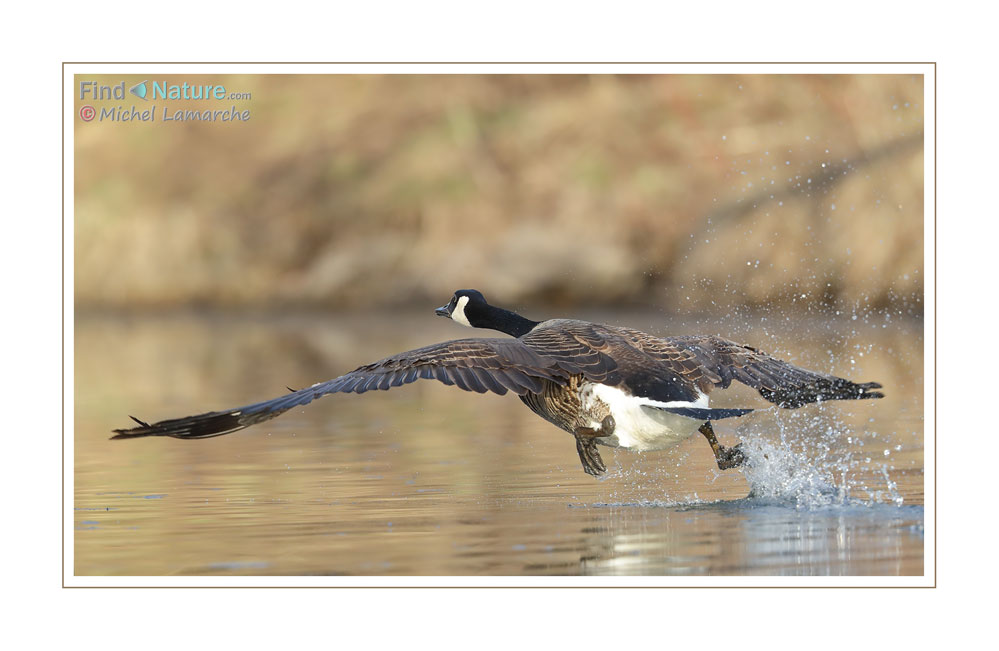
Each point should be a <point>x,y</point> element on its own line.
<point>458,313</point>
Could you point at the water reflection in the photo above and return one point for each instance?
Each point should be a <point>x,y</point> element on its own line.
<point>749,537</point>
<point>428,480</point>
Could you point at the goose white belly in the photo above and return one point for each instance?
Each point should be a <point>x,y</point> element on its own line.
<point>637,424</point>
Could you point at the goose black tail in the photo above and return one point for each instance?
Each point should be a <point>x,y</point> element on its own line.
<point>703,414</point>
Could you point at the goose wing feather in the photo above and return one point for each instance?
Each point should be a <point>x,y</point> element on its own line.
<point>577,347</point>
<point>620,356</point>
<point>479,365</point>
<point>780,382</point>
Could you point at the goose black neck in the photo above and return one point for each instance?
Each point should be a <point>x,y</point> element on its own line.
<point>506,321</point>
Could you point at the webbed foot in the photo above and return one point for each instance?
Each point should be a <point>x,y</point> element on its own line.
<point>730,457</point>
<point>588,455</point>
<point>726,458</point>
<point>586,446</point>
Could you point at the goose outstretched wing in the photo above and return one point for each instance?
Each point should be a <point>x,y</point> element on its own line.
<point>480,365</point>
<point>780,382</point>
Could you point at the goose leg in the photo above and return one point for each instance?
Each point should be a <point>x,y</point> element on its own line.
<point>586,446</point>
<point>725,457</point>
<point>587,449</point>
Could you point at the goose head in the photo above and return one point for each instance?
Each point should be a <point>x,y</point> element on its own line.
<point>468,307</point>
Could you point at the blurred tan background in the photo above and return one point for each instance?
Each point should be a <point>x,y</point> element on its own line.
<point>700,191</point>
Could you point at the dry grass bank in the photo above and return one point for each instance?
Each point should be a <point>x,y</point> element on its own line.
<point>706,191</point>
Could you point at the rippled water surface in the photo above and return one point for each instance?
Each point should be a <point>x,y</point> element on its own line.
<point>429,480</point>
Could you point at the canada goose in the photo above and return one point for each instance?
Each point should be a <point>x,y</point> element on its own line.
<point>603,384</point>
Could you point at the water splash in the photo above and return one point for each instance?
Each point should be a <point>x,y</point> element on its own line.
<point>813,474</point>
<point>778,474</point>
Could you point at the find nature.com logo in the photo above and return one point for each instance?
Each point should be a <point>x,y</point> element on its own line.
<point>153,91</point>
